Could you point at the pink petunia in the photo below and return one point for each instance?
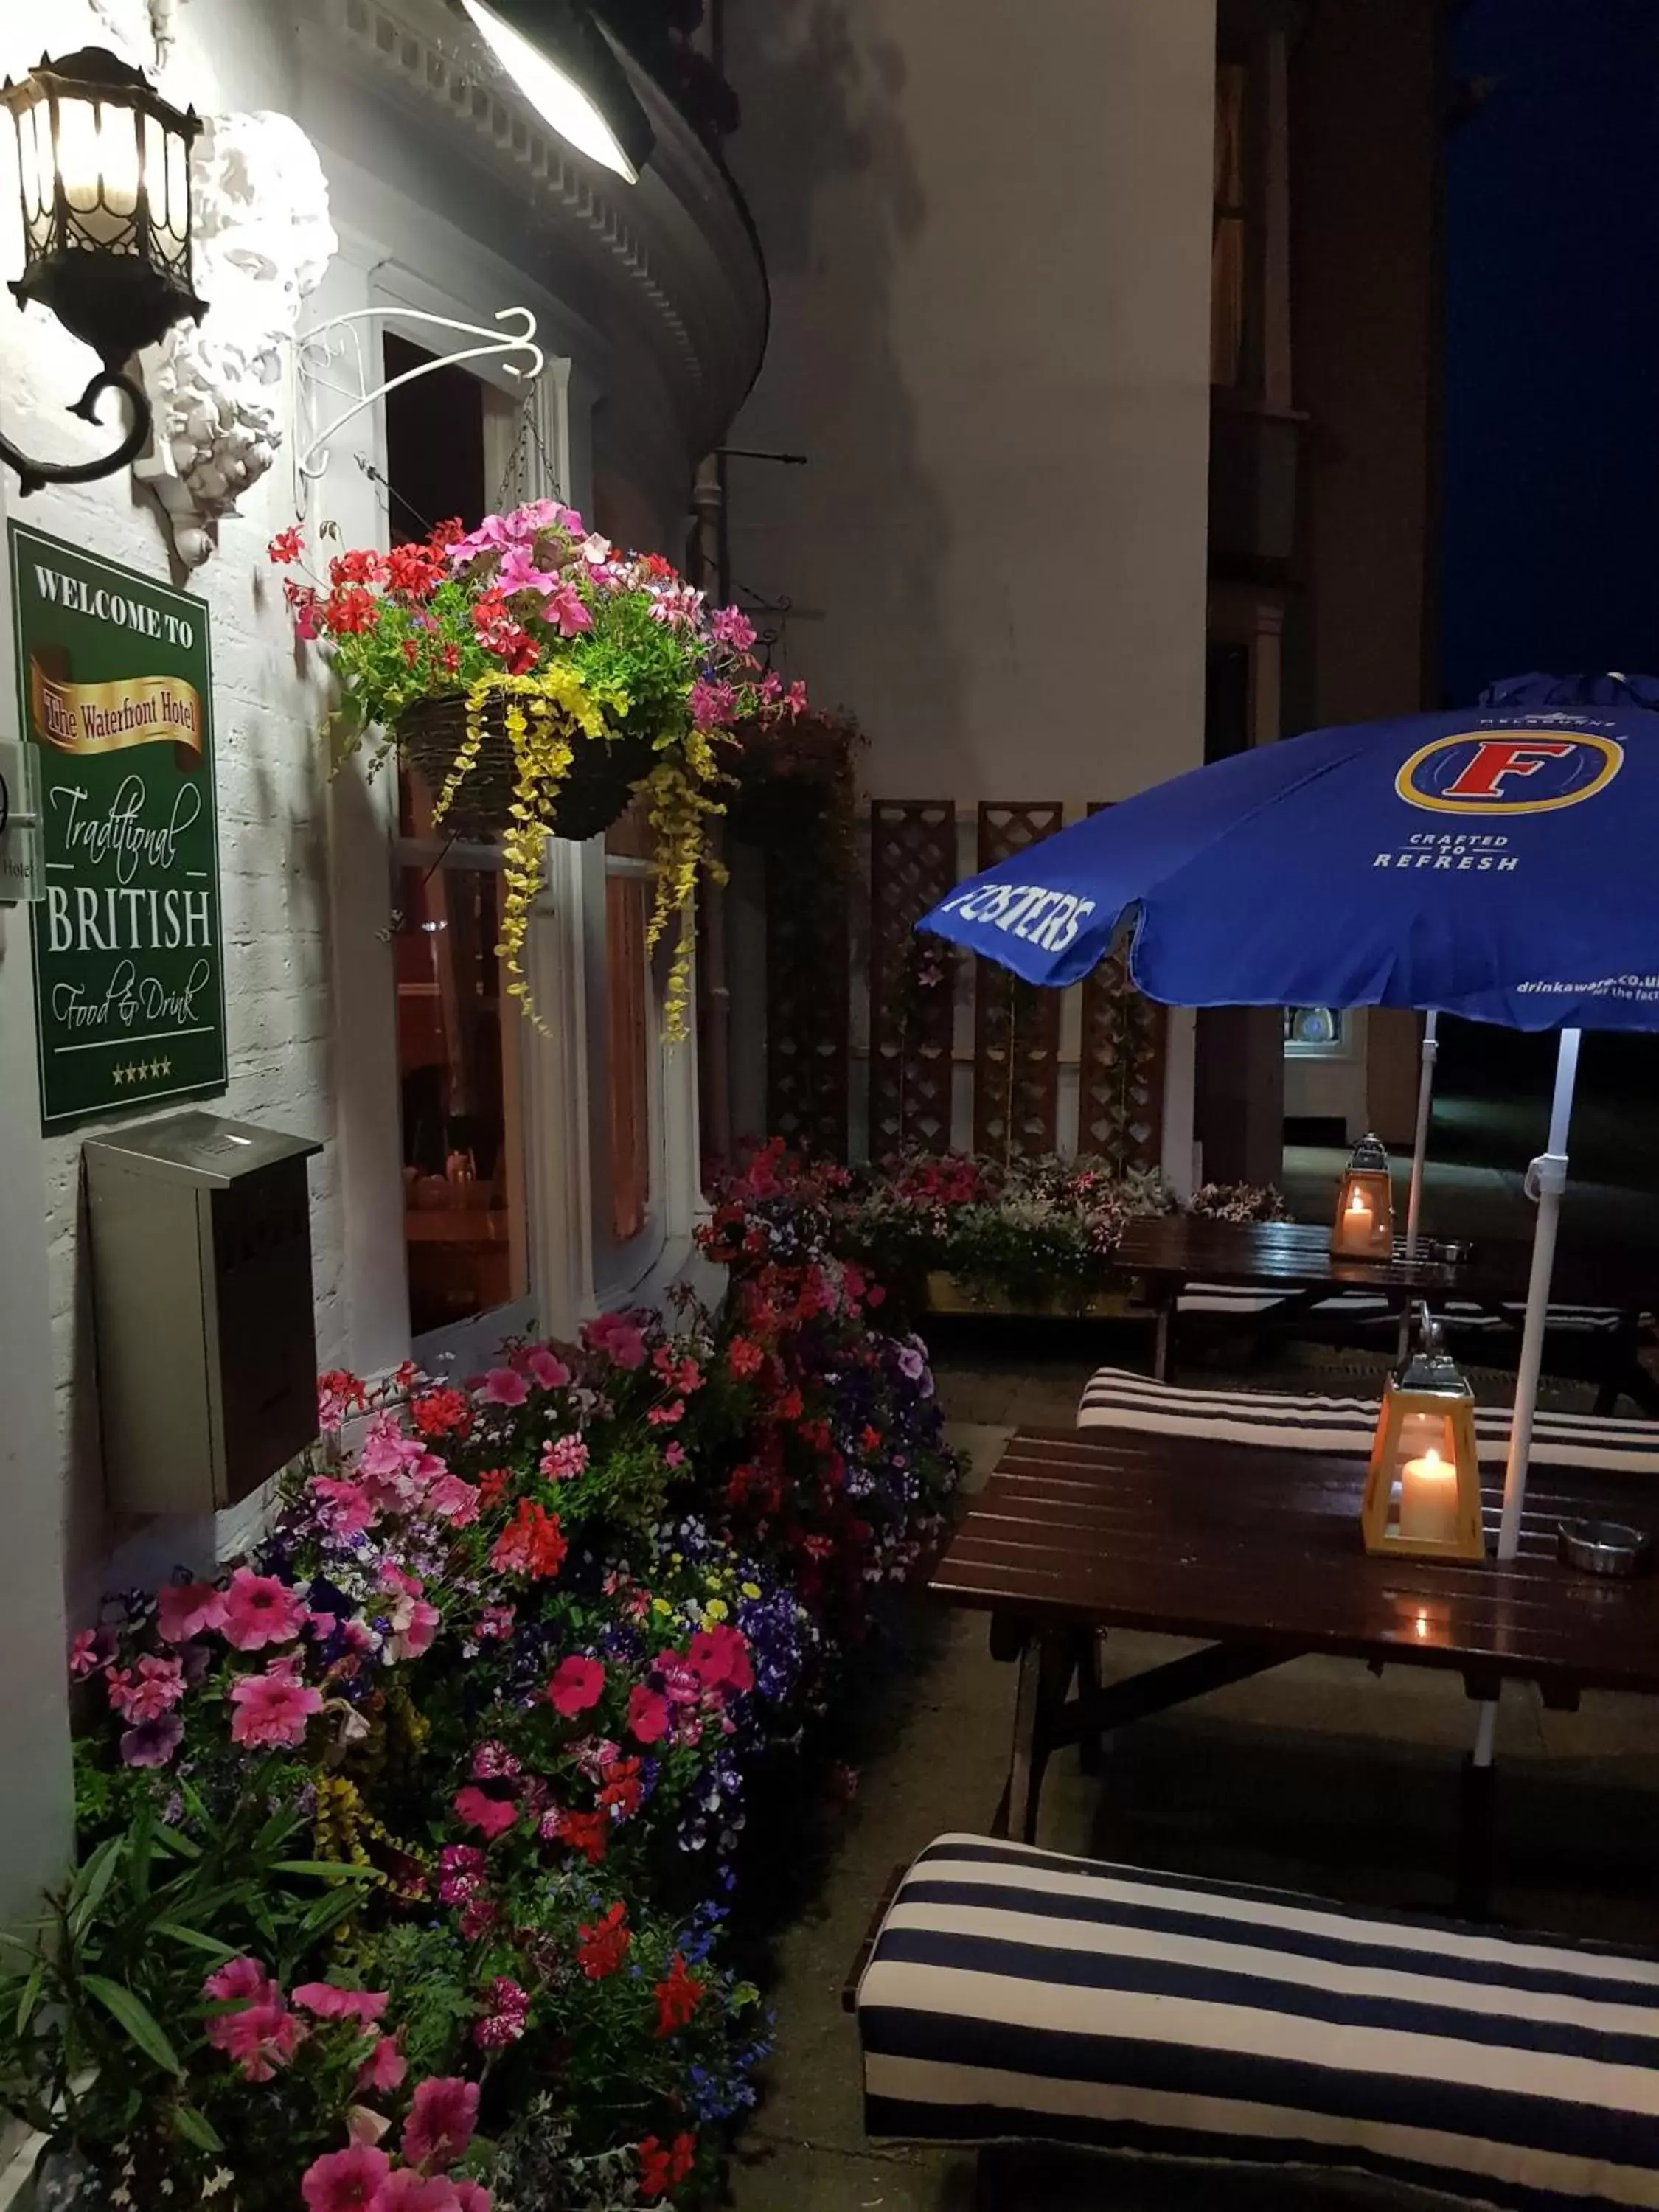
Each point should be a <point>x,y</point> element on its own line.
<point>441,2118</point>
<point>364,2126</point>
<point>472,2196</point>
<point>384,2067</point>
<point>647,1714</point>
<point>578,1684</point>
<point>152,1743</point>
<point>259,2038</point>
<point>406,2190</point>
<point>185,1609</point>
<point>547,1369</point>
<point>412,1620</point>
<point>565,608</point>
<point>720,1658</point>
<point>345,2180</point>
<point>346,1506</point>
<point>452,1499</point>
<point>271,1711</point>
<point>329,2001</point>
<point>616,1338</point>
<point>491,1816</point>
<point>240,1979</point>
<point>504,1386</point>
<point>261,1609</point>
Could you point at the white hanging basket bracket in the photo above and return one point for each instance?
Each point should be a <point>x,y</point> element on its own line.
<point>321,354</point>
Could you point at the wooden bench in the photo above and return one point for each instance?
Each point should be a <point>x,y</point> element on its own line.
<point>1015,1995</point>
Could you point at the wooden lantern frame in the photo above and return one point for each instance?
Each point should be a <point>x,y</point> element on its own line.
<point>1429,1387</point>
<point>1367,1173</point>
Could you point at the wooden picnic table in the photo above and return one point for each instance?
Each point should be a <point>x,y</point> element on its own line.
<point>1169,1251</point>
<point>1257,1554</point>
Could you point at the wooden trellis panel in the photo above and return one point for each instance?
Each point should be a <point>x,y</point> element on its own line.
<point>912,864</point>
<point>1016,1025</point>
<point>808,982</point>
<point>1120,1075</point>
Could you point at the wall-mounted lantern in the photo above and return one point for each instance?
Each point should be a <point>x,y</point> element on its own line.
<point>103,170</point>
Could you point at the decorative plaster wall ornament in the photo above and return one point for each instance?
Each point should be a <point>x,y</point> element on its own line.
<point>263,242</point>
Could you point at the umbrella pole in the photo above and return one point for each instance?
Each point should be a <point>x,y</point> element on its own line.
<point>1425,1101</point>
<point>1547,1179</point>
<point>1420,1151</point>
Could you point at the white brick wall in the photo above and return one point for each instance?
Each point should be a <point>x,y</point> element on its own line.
<point>272,801</point>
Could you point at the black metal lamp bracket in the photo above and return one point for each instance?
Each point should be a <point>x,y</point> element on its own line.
<point>32,475</point>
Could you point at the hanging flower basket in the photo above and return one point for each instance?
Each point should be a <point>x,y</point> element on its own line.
<point>793,775</point>
<point>601,779</point>
<point>537,677</point>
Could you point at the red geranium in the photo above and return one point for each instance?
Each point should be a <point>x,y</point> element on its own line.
<point>441,1413</point>
<point>415,570</point>
<point>601,1948</point>
<point>530,1544</point>
<point>350,609</point>
<point>661,2169</point>
<point>678,1998</point>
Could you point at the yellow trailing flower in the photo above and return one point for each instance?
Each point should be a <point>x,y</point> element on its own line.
<point>682,804</point>
<point>542,713</point>
<point>545,715</point>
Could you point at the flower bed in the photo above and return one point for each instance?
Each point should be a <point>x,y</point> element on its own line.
<point>1032,1236</point>
<point>406,1846</point>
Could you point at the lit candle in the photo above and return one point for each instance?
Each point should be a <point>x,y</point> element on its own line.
<point>1428,1500</point>
<point>1356,1224</point>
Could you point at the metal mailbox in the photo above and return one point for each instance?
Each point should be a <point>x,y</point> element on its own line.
<point>207,1343</point>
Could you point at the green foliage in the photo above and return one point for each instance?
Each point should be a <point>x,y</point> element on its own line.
<point>102,2014</point>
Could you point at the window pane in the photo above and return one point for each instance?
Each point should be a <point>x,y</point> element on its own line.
<point>463,1215</point>
<point>1229,245</point>
<point>1313,1027</point>
<point>628,1017</point>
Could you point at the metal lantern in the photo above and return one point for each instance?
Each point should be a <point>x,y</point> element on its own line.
<point>1364,1226</point>
<point>103,165</point>
<point>1422,1488</point>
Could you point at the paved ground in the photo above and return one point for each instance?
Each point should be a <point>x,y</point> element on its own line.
<point>1318,1775</point>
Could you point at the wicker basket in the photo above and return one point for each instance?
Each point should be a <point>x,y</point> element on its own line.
<point>600,780</point>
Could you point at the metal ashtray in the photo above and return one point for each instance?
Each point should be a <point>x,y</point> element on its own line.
<point>1605,1548</point>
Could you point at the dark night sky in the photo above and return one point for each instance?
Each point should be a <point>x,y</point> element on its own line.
<point>1552,462</point>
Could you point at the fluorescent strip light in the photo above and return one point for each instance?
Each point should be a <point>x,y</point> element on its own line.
<point>551,91</point>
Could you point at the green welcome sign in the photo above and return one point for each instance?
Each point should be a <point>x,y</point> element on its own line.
<point>115,676</point>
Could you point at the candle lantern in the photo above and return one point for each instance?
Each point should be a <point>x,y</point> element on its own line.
<point>1423,1488</point>
<point>1363,1227</point>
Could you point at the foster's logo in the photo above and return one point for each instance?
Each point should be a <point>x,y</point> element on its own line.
<point>1508,771</point>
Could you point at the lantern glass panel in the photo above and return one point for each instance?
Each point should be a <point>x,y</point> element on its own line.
<point>1422,1490</point>
<point>35,170</point>
<point>1363,1227</point>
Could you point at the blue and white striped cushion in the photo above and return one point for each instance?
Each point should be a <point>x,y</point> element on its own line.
<point>1114,1398</point>
<point>1251,1300</point>
<point>1015,1995</point>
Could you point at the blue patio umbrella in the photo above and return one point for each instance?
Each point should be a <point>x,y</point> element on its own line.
<point>1501,863</point>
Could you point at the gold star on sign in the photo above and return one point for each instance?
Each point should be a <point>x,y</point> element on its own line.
<point>166,1067</point>
<point>120,1075</point>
